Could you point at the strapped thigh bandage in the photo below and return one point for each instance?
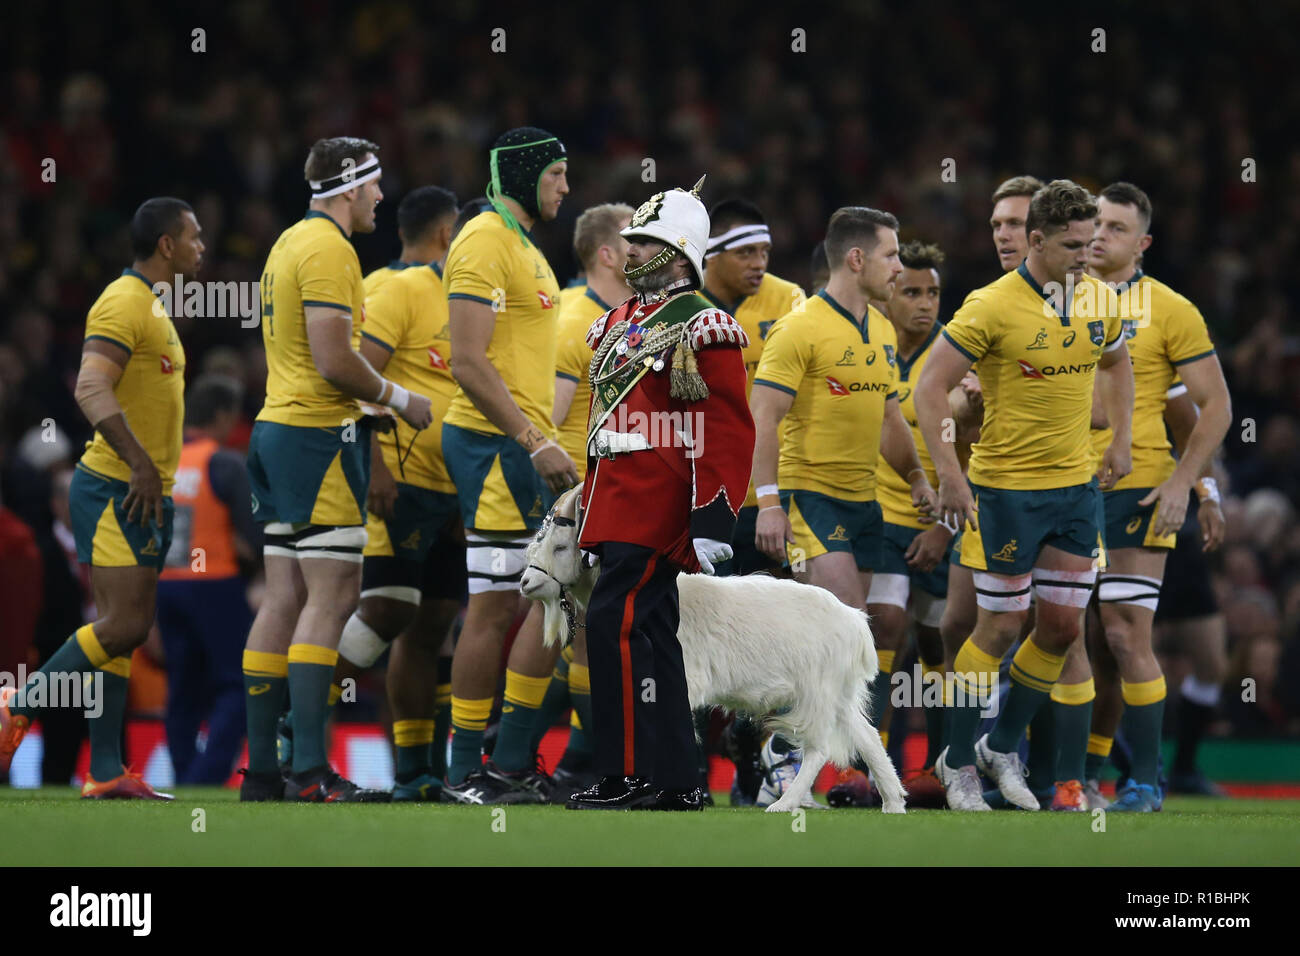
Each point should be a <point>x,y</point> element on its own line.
<point>1129,589</point>
<point>1067,588</point>
<point>314,541</point>
<point>889,589</point>
<point>927,609</point>
<point>1001,592</point>
<point>495,564</point>
<point>394,592</point>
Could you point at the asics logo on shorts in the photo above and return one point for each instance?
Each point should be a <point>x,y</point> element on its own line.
<point>1132,526</point>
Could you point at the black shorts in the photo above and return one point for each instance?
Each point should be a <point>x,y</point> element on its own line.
<point>748,559</point>
<point>441,576</point>
<point>1187,592</point>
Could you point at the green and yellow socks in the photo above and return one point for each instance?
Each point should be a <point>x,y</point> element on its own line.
<point>106,729</point>
<point>311,680</point>
<point>1071,708</point>
<point>880,686</point>
<point>1144,710</point>
<point>523,698</point>
<point>414,742</point>
<point>83,655</point>
<point>468,722</point>
<point>441,718</point>
<point>1033,672</point>
<point>974,688</point>
<point>1098,752</point>
<point>266,686</point>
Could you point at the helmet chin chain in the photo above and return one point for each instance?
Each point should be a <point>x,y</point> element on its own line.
<point>664,257</point>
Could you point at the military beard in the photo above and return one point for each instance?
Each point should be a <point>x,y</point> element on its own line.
<point>654,281</point>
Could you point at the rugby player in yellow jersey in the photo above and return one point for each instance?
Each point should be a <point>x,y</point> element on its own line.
<point>914,563</point>
<point>737,281</point>
<point>131,389</point>
<point>309,467</point>
<point>828,379</point>
<point>498,443</point>
<point>1011,242</point>
<point>602,253</point>
<point>413,574</point>
<point>1032,505</point>
<point>1167,338</point>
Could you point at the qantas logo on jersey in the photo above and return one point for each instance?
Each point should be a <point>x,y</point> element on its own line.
<point>836,388</point>
<point>166,365</point>
<point>437,361</point>
<point>547,302</point>
<point>1028,370</point>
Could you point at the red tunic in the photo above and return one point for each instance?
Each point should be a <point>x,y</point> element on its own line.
<point>683,487</point>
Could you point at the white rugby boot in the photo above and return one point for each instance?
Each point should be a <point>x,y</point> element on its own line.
<point>961,787</point>
<point>1007,773</point>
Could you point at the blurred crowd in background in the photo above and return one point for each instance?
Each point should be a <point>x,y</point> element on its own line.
<point>854,104</point>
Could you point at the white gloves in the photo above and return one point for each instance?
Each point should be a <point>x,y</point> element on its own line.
<point>708,551</point>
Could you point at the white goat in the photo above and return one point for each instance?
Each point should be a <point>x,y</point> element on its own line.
<point>755,644</point>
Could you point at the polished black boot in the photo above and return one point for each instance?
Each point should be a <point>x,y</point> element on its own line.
<point>678,800</point>
<point>615,793</point>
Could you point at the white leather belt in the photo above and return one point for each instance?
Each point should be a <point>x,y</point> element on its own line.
<point>607,444</point>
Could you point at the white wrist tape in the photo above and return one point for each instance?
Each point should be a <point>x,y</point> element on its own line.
<point>762,490</point>
<point>541,448</point>
<point>399,398</point>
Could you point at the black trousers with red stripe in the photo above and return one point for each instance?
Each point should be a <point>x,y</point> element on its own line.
<point>639,705</point>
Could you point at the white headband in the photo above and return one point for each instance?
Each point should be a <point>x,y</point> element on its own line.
<point>348,179</point>
<point>746,235</point>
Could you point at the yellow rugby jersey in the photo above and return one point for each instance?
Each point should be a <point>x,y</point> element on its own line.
<point>375,280</point>
<point>840,374</point>
<point>407,316</point>
<point>571,292</point>
<point>893,493</point>
<point>1036,369</point>
<point>1173,334</point>
<point>312,263</point>
<point>151,390</point>
<point>489,264</point>
<point>756,314</point>
<point>572,356</point>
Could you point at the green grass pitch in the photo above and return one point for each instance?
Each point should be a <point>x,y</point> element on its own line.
<point>52,827</point>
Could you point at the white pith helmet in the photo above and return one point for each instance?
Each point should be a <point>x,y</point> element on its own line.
<point>678,219</point>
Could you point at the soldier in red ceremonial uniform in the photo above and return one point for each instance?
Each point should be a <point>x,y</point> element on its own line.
<point>669,446</point>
